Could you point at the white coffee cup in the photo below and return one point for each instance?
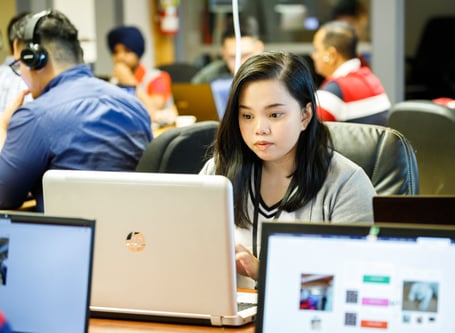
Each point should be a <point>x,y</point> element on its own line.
<point>182,121</point>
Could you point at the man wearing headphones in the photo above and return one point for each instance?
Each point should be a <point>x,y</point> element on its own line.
<point>75,121</point>
<point>350,91</point>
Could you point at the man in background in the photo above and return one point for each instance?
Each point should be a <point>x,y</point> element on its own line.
<point>75,121</point>
<point>225,67</point>
<point>10,84</point>
<point>152,86</point>
<point>354,12</point>
<point>350,91</point>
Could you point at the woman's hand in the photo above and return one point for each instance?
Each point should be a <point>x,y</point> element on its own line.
<point>247,263</point>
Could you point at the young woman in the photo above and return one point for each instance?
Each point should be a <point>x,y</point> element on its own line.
<point>279,158</point>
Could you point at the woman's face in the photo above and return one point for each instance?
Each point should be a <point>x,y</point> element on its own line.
<point>271,120</point>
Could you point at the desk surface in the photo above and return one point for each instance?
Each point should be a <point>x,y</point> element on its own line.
<point>97,325</point>
<point>159,130</point>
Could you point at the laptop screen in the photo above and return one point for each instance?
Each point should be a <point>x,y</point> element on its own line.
<point>327,278</point>
<point>220,90</point>
<point>167,239</point>
<point>195,99</point>
<point>45,272</point>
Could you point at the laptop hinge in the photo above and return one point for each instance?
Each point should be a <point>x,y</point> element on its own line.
<point>216,320</point>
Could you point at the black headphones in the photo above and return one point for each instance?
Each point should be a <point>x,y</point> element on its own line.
<point>34,55</point>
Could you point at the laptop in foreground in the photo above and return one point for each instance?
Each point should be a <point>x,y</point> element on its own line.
<point>356,278</point>
<point>45,272</point>
<point>164,247</point>
<point>433,209</point>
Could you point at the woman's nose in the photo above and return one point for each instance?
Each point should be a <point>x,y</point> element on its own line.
<point>262,126</point>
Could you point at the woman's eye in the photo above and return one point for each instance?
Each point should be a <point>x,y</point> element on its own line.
<point>276,114</point>
<point>246,116</point>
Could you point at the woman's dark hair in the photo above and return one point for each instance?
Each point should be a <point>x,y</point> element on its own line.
<point>54,32</point>
<point>236,161</point>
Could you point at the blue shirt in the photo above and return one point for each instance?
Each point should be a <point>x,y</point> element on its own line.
<point>78,122</point>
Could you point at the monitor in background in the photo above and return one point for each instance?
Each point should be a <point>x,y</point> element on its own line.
<point>430,209</point>
<point>329,278</point>
<point>220,90</point>
<point>45,279</point>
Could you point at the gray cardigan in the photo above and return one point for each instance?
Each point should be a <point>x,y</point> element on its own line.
<point>345,197</point>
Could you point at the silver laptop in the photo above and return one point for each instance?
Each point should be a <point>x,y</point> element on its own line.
<point>164,248</point>
<point>393,277</point>
<point>45,272</point>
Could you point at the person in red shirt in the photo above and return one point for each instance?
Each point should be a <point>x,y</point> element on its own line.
<point>152,86</point>
<point>350,91</point>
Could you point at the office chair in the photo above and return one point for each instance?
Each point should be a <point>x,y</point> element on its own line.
<point>385,154</point>
<point>180,149</point>
<point>430,128</point>
<point>180,71</point>
<point>431,72</point>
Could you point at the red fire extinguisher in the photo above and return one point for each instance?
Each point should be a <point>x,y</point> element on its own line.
<point>169,16</point>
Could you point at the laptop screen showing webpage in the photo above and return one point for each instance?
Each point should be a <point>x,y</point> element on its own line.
<point>45,272</point>
<point>356,279</point>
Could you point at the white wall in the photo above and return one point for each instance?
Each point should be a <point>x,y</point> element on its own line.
<point>82,14</point>
<point>93,20</point>
<point>137,13</point>
<point>388,51</point>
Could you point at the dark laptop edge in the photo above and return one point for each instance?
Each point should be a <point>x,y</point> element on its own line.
<point>37,218</point>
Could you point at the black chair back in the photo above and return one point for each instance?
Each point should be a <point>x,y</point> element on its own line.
<point>384,153</point>
<point>180,149</point>
<point>430,128</point>
<point>180,71</point>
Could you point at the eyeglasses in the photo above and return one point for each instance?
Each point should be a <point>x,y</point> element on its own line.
<point>15,67</point>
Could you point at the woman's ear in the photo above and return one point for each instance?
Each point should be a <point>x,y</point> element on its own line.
<point>306,114</point>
